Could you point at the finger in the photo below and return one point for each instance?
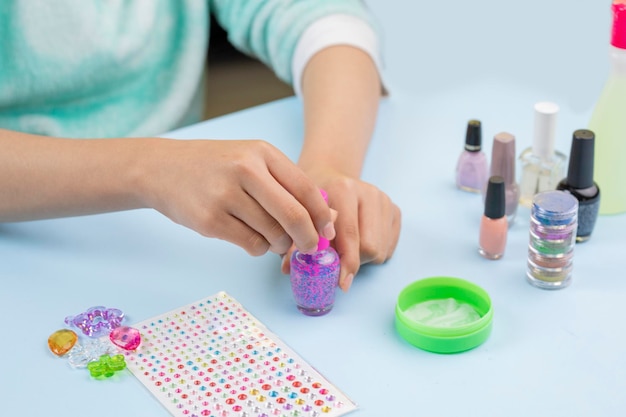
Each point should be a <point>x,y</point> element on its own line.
<point>375,220</point>
<point>347,240</point>
<point>304,193</point>
<point>285,265</point>
<point>252,214</point>
<point>333,215</point>
<point>396,226</point>
<point>235,231</point>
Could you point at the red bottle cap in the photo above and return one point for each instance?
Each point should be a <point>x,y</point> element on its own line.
<point>618,34</point>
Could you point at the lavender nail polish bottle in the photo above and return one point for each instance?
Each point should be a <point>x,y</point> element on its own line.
<point>471,168</point>
<point>314,278</point>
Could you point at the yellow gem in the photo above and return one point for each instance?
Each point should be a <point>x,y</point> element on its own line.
<point>62,341</point>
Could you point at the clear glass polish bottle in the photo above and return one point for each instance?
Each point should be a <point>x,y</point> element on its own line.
<point>608,121</point>
<point>314,277</point>
<point>471,168</point>
<point>542,166</point>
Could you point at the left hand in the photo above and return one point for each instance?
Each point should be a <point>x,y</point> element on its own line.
<point>367,225</point>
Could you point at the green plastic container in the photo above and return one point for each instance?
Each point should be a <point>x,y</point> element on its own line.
<point>444,339</point>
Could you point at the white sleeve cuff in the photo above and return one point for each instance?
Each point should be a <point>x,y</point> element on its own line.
<point>336,29</point>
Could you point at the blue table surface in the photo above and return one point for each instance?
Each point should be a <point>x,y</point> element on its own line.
<point>551,353</point>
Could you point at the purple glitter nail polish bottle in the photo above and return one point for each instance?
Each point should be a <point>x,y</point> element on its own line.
<point>314,278</point>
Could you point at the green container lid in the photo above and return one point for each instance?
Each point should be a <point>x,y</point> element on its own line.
<point>444,339</point>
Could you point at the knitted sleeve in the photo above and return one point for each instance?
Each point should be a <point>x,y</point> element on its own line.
<point>270,29</point>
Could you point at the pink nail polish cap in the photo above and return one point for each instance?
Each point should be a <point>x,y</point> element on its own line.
<point>618,34</point>
<point>322,242</point>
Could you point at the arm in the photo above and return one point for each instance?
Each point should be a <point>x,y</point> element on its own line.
<point>341,91</point>
<point>340,88</point>
<point>246,192</point>
<point>42,177</point>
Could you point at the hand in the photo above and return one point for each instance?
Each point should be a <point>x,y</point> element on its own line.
<point>367,225</point>
<point>244,191</point>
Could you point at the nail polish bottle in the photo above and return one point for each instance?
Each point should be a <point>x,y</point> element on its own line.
<point>493,225</point>
<point>471,168</point>
<point>314,277</point>
<point>542,166</point>
<point>608,121</point>
<point>503,165</point>
<point>579,182</point>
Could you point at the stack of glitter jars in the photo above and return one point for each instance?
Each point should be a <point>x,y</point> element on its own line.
<point>553,224</point>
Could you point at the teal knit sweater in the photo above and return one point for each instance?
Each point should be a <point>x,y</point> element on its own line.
<point>114,68</point>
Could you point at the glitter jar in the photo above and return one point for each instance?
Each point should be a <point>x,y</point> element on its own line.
<point>553,224</point>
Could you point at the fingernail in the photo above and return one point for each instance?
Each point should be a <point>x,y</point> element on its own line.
<point>274,250</point>
<point>329,231</point>
<point>333,215</point>
<point>310,251</point>
<point>283,264</point>
<point>347,282</point>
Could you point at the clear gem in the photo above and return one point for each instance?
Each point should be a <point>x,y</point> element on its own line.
<point>90,351</point>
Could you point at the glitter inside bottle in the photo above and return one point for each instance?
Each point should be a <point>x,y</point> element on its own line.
<point>314,278</point>
<point>579,182</point>
<point>553,224</point>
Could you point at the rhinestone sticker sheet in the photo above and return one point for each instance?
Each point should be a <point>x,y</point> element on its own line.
<point>213,358</point>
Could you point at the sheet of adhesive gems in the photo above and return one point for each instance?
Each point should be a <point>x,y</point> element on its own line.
<point>213,358</point>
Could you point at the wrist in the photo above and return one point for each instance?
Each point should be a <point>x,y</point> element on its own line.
<point>144,165</point>
<point>323,162</point>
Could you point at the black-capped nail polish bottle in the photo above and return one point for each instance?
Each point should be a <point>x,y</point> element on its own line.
<point>471,168</point>
<point>579,182</point>
<point>494,224</point>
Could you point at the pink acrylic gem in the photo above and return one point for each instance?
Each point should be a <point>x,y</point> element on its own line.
<point>125,337</point>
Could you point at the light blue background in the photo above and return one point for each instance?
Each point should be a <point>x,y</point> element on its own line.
<point>550,354</point>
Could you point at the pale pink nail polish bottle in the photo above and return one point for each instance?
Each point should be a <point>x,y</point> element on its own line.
<point>493,225</point>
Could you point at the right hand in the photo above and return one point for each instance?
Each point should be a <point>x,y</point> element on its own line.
<point>243,191</point>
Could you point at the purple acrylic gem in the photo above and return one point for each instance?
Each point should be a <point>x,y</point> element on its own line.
<point>96,321</point>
